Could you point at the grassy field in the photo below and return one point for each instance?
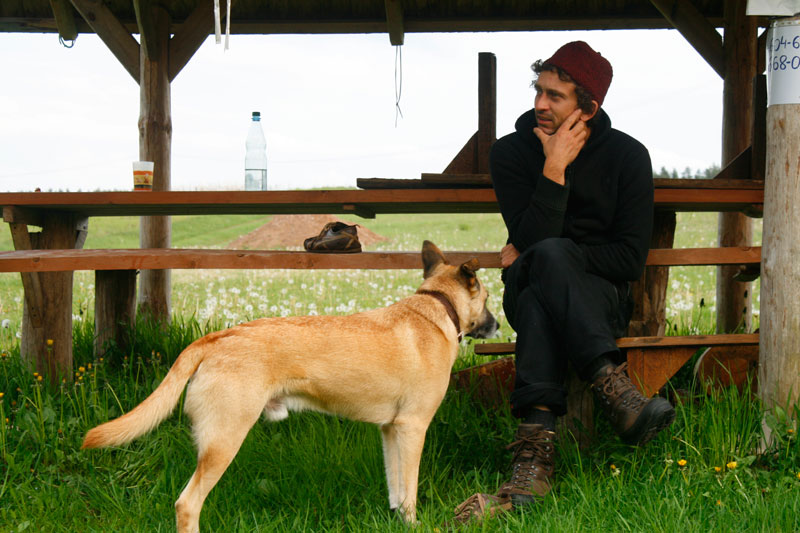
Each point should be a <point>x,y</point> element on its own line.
<point>317,473</point>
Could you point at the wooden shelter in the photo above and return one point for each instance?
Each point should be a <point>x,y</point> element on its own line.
<point>171,32</point>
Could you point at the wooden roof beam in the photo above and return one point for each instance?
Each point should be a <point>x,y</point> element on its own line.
<point>697,30</point>
<point>191,35</point>
<point>65,19</point>
<point>112,32</point>
<point>395,21</point>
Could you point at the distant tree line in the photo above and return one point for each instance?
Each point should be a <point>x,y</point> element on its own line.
<point>687,173</point>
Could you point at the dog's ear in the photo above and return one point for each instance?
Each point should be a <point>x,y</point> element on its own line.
<point>431,258</point>
<point>467,272</point>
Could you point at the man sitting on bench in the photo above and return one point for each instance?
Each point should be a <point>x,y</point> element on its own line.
<point>577,200</point>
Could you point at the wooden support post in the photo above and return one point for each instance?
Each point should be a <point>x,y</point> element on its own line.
<point>114,308</point>
<point>650,292</point>
<point>487,110</point>
<point>47,330</point>
<point>735,229</point>
<point>155,142</point>
<point>779,368</point>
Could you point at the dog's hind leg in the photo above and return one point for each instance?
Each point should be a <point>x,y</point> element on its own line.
<point>391,460</point>
<point>219,430</point>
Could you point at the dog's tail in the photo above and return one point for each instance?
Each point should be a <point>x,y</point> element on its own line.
<point>153,410</point>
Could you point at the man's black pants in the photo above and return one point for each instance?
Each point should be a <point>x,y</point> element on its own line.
<point>562,315</point>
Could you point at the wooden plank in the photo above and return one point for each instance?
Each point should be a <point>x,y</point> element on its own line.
<point>456,180</point>
<point>165,258</point>
<point>453,200</point>
<point>689,341</point>
<point>733,255</point>
<point>169,258</point>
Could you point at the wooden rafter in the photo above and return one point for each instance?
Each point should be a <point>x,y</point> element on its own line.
<point>112,32</point>
<point>697,30</point>
<point>65,19</point>
<point>395,21</point>
<point>191,35</point>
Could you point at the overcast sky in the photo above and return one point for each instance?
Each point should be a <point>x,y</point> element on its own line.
<point>68,117</point>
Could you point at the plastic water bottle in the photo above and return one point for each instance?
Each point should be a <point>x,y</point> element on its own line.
<point>255,160</point>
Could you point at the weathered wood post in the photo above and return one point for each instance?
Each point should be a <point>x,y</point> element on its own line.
<point>736,229</point>
<point>779,367</point>
<point>155,142</point>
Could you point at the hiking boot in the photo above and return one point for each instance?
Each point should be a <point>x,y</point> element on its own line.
<point>532,465</point>
<point>635,418</point>
<point>335,237</point>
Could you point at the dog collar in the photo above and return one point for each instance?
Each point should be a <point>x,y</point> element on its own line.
<point>448,305</point>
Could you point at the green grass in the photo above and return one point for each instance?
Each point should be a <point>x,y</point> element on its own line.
<point>318,473</point>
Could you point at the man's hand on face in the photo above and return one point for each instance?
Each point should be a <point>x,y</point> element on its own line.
<point>508,254</point>
<point>562,147</point>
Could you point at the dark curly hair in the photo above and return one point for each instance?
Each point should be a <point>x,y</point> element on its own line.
<point>584,98</point>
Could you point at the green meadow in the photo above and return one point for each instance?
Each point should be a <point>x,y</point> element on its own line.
<point>710,471</point>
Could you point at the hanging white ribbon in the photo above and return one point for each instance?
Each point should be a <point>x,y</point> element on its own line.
<point>218,23</point>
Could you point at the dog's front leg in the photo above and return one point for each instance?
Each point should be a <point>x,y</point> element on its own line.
<point>410,440</point>
<point>391,460</point>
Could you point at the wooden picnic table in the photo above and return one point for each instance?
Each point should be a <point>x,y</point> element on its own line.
<point>47,259</point>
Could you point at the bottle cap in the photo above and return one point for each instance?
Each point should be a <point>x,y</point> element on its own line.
<point>256,114</point>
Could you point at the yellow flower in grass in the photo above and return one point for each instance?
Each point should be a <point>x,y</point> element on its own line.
<point>731,465</point>
<point>39,378</point>
<point>81,369</point>
<point>717,469</point>
<point>49,342</point>
<point>2,394</point>
<point>719,502</point>
<point>798,475</point>
<point>615,471</point>
<point>682,463</point>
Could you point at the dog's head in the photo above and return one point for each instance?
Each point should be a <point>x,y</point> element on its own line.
<point>462,287</point>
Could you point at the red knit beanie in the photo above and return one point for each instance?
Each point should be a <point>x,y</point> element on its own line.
<point>588,68</point>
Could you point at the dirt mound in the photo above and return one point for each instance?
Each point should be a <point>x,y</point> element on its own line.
<point>289,231</point>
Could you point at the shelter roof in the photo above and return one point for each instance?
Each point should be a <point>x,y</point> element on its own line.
<point>376,16</point>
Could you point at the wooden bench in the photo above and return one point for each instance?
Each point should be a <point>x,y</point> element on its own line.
<point>171,258</point>
<point>652,361</point>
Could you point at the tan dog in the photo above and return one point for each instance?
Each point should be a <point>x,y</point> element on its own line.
<point>388,366</point>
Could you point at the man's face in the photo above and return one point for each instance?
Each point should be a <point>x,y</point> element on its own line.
<point>555,101</point>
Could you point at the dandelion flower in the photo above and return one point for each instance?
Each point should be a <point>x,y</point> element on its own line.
<point>798,475</point>
<point>717,469</point>
<point>682,462</point>
<point>790,431</point>
<point>731,465</point>
<point>81,369</point>
<point>38,378</point>
<point>719,502</point>
<point>1,395</point>
<point>49,342</point>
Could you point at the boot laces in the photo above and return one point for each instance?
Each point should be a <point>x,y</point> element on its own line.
<point>618,384</point>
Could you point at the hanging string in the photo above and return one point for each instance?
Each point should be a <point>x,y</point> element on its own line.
<point>64,43</point>
<point>398,82</point>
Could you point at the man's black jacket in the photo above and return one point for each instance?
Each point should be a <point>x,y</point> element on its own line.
<point>605,205</point>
